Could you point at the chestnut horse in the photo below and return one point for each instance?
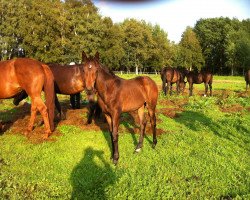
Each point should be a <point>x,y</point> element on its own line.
<point>31,76</point>
<point>198,78</point>
<point>247,79</point>
<point>117,95</point>
<point>170,76</point>
<point>68,80</point>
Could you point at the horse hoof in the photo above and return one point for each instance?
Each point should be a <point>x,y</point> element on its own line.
<point>115,162</point>
<point>137,150</point>
<point>153,146</point>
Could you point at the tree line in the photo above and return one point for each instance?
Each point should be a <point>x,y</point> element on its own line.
<point>55,31</point>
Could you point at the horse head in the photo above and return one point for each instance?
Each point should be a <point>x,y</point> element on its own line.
<point>90,69</point>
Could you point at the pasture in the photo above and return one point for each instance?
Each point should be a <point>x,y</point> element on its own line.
<point>203,151</point>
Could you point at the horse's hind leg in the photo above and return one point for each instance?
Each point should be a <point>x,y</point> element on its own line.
<point>178,87</point>
<point>143,123</point>
<point>59,108</point>
<point>151,112</point>
<point>38,104</point>
<point>210,87</point>
<point>206,88</point>
<point>72,101</point>
<point>168,87</point>
<point>190,88</point>
<point>77,100</point>
<point>33,112</point>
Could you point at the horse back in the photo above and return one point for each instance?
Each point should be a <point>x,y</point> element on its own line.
<point>134,93</point>
<point>68,78</point>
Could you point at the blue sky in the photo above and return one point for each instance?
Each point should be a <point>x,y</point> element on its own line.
<point>174,15</point>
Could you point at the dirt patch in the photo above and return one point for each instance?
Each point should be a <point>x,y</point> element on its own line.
<point>232,108</point>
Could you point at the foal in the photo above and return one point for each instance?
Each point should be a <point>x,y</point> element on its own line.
<point>117,95</point>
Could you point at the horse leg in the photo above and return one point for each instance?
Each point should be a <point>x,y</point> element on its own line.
<point>72,101</point>
<point>178,87</point>
<point>190,88</point>
<point>77,100</point>
<point>168,86</point>
<point>59,109</point>
<point>115,124</point>
<point>33,112</point>
<point>91,107</point>
<point>210,87</point>
<point>171,88</point>
<point>206,89</point>
<point>108,118</point>
<point>151,112</point>
<point>143,123</point>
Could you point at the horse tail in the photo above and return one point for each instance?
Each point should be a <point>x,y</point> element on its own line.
<point>163,78</point>
<point>49,91</point>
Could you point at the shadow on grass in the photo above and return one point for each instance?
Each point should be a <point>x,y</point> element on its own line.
<point>89,179</point>
<point>196,121</point>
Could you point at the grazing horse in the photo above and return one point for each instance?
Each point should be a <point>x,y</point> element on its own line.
<point>198,78</point>
<point>68,81</point>
<point>170,76</point>
<point>247,79</point>
<point>31,76</point>
<point>117,95</point>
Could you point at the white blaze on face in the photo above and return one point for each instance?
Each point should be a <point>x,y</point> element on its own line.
<point>90,66</point>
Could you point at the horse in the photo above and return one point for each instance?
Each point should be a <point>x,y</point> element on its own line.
<point>31,76</point>
<point>116,95</point>
<point>170,76</point>
<point>198,78</point>
<point>68,81</point>
<point>247,79</point>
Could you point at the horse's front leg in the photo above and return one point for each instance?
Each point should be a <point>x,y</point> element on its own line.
<point>206,88</point>
<point>143,123</point>
<point>210,87</point>
<point>168,87</point>
<point>115,124</point>
<point>190,88</point>
<point>178,87</point>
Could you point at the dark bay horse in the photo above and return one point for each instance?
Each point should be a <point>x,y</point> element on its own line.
<point>170,76</point>
<point>117,95</point>
<point>198,78</point>
<point>247,79</point>
<point>31,76</point>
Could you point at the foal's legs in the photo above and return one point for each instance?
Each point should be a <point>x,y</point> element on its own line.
<point>168,86</point>
<point>143,123</point>
<point>59,109</point>
<point>72,101</point>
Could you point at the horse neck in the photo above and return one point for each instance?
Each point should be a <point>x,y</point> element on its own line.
<point>103,82</point>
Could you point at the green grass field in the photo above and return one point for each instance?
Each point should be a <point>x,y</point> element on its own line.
<point>202,153</point>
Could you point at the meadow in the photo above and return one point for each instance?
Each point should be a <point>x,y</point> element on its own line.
<point>203,151</point>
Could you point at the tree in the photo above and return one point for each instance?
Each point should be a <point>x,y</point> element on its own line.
<point>190,53</point>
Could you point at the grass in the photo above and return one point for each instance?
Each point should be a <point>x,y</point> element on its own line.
<point>204,154</point>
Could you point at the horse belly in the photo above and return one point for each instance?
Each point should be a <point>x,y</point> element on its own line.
<point>9,85</point>
<point>132,103</point>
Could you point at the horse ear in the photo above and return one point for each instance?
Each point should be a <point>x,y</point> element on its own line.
<point>97,56</point>
<point>84,57</point>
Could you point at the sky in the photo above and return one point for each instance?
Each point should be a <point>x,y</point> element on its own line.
<point>173,16</point>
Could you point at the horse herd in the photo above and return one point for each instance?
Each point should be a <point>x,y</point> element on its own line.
<point>24,77</point>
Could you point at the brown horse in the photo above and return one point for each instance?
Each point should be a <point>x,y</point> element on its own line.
<point>198,78</point>
<point>31,76</point>
<point>117,95</point>
<point>68,81</point>
<point>247,79</point>
<point>170,76</point>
